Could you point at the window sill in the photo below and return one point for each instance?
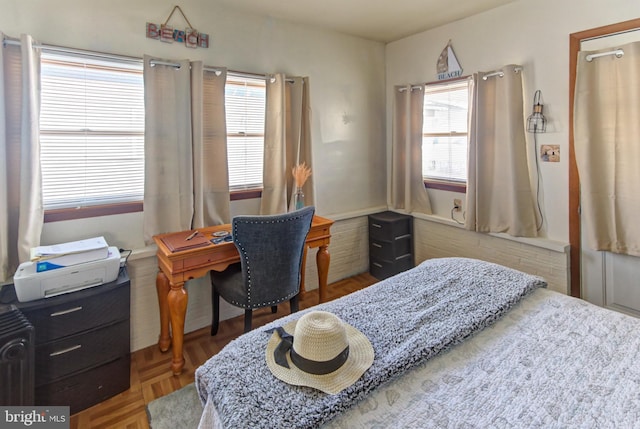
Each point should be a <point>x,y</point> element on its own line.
<point>446,186</point>
<point>93,211</point>
<point>246,194</point>
<point>133,207</point>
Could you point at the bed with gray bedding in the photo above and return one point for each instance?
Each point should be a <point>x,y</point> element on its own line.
<point>458,343</point>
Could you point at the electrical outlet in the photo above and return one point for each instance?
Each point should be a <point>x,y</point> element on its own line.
<point>550,153</point>
<point>457,205</point>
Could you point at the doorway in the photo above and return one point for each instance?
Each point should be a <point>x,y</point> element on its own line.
<point>603,278</point>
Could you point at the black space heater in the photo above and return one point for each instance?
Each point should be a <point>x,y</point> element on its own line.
<point>17,337</point>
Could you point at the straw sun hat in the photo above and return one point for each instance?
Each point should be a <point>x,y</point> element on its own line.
<point>324,352</point>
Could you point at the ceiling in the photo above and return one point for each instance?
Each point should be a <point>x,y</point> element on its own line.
<point>380,20</point>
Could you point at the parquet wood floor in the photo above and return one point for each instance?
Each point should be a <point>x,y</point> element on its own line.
<point>151,377</point>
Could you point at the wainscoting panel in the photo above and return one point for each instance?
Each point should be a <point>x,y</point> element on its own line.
<point>438,240</point>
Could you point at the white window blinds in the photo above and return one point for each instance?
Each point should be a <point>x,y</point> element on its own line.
<point>91,131</point>
<point>444,143</point>
<point>245,110</point>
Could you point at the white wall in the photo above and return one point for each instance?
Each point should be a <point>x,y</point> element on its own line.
<point>346,81</point>
<point>346,77</point>
<point>534,34</point>
<point>348,96</point>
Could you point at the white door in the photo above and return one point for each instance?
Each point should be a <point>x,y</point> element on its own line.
<point>608,279</point>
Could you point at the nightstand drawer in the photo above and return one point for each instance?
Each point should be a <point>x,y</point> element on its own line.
<point>388,225</point>
<point>390,250</point>
<point>69,317</point>
<point>381,269</point>
<point>79,352</point>
<point>82,344</point>
<point>87,388</point>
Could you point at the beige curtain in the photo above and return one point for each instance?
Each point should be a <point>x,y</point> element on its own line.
<point>407,185</point>
<point>21,211</point>
<point>287,142</point>
<point>210,170</point>
<point>499,191</point>
<point>168,184</point>
<point>607,148</point>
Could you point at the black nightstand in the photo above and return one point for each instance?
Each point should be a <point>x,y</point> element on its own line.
<point>82,344</point>
<point>390,244</point>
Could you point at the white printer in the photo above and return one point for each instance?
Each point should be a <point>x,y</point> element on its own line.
<point>31,284</point>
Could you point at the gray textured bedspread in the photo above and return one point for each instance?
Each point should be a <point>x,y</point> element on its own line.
<point>408,318</point>
<point>552,362</point>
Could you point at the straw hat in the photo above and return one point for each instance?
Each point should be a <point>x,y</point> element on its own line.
<point>324,352</point>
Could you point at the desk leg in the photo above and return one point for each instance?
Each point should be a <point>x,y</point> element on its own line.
<point>322,261</point>
<point>177,300</point>
<point>162,288</point>
<point>303,268</point>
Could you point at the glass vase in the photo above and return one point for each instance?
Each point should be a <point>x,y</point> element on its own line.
<point>298,199</point>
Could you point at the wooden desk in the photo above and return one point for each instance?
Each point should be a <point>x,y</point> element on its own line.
<point>175,268</point>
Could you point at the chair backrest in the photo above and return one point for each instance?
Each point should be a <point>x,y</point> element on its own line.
<point>271,249</point>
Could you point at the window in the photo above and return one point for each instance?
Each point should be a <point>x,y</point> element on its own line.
<point>91,131</point>
<point>444,141</point>
<point>245,109</point>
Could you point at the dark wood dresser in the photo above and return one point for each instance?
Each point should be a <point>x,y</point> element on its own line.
<point>82,354</point>
<point>390,244</point>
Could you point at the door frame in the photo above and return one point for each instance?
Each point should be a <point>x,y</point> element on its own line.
<point>575,40</point>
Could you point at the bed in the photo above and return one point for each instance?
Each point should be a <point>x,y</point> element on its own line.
<point>458,343</point>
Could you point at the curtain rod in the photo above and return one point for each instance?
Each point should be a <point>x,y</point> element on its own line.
<point>97,54</point>
<point>404,88</point>
<point>499,73</point>
<point>618,53</point>
<point>126,58</point>
<point>153,62</point>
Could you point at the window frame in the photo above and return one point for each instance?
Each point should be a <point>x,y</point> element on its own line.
<point>246,192</point>
<point>74,213</point>
<point>438,183</point>
<point>59,56</point>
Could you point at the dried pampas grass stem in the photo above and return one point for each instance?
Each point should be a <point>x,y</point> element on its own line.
<point>300,174</point>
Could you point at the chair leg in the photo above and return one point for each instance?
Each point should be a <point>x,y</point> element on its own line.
<point>293,303</point>
<point>274,309</point>
<point>215,312</point>
<point>247,320</point>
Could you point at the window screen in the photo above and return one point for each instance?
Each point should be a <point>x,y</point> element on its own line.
<point>245,109</point>
<point>91,131</point>
<point>444,141</point>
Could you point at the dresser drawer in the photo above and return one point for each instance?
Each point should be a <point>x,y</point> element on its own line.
<point>381,269</point>
<point>389,226</point>
<point>79,352</point>
<point>70,317</point>
<point>390,250</point>
<point>87,388</point>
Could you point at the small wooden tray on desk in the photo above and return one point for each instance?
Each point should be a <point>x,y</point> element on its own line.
<point>185,240</point>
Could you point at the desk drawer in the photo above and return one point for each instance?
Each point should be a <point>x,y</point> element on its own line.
<point>223,252</point>
<point>79,352</point>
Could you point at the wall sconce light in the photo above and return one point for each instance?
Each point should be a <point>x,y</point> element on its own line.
<point>536,123</point>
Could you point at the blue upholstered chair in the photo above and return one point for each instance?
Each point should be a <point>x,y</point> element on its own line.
<point>271,250</point>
